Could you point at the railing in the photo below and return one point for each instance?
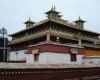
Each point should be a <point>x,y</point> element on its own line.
<point>71,24</point>
<point>91,44</point>
<point>66,23</point>
<point>38,23</point>
<point>27,37</point>
<point>55,33</point>
<point>88,38</point>
<point>60,33</point>
<point>59,21</point>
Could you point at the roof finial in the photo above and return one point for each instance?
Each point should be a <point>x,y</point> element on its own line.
<point>29,18</point>
<point>79,17</point>
<point>54,8</point>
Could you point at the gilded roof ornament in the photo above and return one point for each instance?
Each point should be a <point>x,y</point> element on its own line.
<point>29,18</point>
<point>54,8</point>
<point>29,21</point>
<point>79,20</point>
<point>79,17</point>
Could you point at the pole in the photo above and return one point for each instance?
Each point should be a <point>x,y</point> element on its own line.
<point>4,50</point>
<point>3,31</point>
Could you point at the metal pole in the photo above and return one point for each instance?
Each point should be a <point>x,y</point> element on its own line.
<point>4,50</point>
<point>3,31</point>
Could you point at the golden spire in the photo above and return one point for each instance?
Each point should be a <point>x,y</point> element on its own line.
<point>79,17</point>
<point>54,8</point>
<point>29,18</point>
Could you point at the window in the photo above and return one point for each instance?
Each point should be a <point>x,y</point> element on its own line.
<point>36,56</point>
<point>73,57</point>
<point>25,52</point>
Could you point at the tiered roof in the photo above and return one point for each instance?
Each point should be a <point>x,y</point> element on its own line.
<point>29,21</point>
<point>79,20</point>
<point>67,24</point>
<point>56,21</point>
<point>52,11</point>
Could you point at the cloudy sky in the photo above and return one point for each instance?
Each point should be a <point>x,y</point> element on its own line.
<point>14,12</point>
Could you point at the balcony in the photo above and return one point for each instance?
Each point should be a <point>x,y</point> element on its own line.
<point>28,37</point>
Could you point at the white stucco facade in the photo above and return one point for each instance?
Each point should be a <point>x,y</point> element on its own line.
<point>18,55</point>
<point>45,57</point>
<point>58,58</point>
<point>91,60</point>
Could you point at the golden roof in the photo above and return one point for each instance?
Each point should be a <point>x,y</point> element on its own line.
<point>52,11</point>
<point>63,22</point>
<point>29,21</point>
<point>79,20</point>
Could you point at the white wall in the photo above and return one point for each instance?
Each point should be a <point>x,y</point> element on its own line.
<point>54,58</point>
<point>46,58</point>
<point>91,61</point>
<point>29,58</point>
<point>19,56</point>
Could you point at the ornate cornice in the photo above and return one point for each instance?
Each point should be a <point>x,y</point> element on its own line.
<point>54,33</point>
<point>28,37</point>
<point>61,21</point>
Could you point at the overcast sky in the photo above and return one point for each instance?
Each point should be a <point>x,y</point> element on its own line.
<point>14,12</point>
